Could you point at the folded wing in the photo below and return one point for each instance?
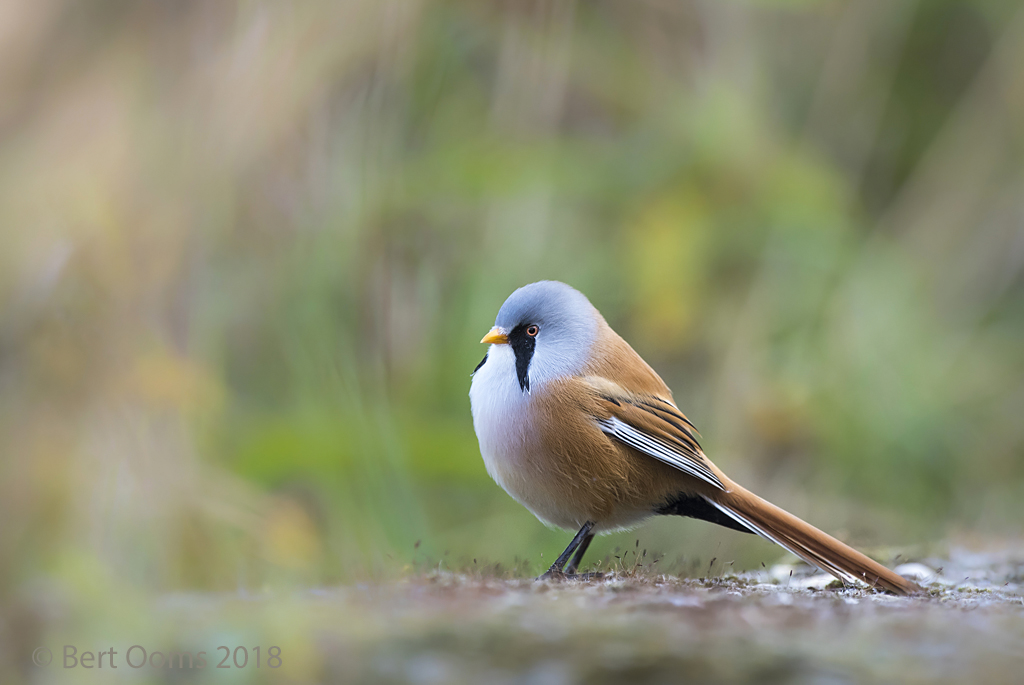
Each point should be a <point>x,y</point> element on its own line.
<point>655,427</point>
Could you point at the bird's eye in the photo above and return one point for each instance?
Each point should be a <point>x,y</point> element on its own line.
<point>533,330</point>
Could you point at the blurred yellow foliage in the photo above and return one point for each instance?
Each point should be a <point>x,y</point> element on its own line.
<point>289,536</point>
<point>668,253</point>
<point>167,381</point>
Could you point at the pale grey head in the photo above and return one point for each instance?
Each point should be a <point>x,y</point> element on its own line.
<point>550,328</point>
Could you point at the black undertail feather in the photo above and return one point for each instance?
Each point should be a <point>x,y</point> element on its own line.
<point>523,346</point>
<point>697,507</point>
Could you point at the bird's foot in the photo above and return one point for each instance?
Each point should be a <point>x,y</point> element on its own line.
<point>553,574</point>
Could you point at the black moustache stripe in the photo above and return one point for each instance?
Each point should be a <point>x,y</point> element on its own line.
<point>482,362</point>
<point>523,346</point>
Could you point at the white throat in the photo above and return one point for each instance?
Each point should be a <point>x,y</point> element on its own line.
<point>500,415</point>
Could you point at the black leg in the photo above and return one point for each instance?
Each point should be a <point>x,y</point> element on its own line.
<point>580,551</point>
<point>556,568</point>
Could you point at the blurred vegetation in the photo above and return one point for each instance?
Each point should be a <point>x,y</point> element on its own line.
<point>249,249</point>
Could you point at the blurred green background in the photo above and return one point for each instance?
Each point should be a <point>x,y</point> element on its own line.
<point>249,249</point>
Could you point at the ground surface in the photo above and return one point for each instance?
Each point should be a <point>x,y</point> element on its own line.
<point>450,629</point>
<point>640,627</point>
<point>632,627</point>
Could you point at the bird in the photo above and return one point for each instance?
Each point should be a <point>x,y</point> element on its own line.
<point>579,429</point>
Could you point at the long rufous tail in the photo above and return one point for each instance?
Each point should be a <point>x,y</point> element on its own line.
<point>807,542</point>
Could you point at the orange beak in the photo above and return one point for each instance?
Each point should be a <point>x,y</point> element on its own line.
<point>495,336</point>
